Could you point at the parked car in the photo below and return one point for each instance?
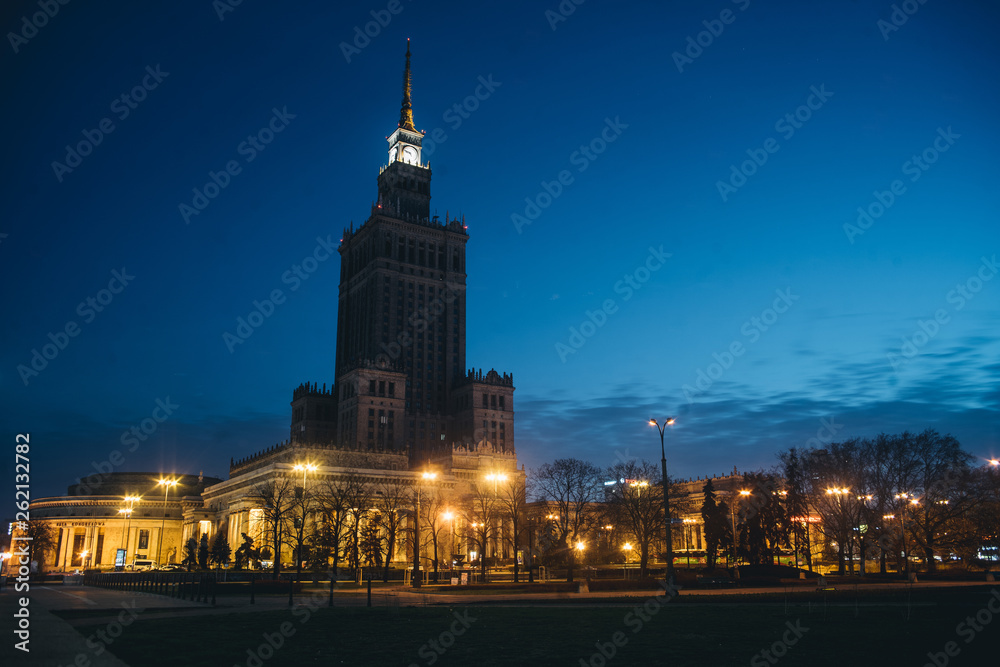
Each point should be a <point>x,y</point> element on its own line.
<point>142,564</point>
<point>172,567</point>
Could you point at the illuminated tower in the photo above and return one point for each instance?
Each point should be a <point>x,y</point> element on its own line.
<point>401,310</point>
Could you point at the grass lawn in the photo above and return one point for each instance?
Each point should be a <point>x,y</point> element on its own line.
<point>877,632</point>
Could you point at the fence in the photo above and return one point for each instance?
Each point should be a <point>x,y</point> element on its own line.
<point>198,587</point>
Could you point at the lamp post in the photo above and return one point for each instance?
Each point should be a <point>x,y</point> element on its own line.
<point>666,496</point>
<point>732,510</point>
<point>627,548</point>
<point>305,468</point>
<point>449,516</point>
<point>127,515</point>
<point>167,484</point>
<point>495,478</point>
<point>415,576</point>
<point>902,526</point>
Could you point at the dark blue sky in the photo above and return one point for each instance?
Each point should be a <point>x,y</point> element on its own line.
<point>771,237</point>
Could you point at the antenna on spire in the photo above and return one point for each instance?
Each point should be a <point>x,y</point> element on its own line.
<point>406,112</point>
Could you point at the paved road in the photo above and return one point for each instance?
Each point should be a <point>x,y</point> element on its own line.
<point>55,642</point>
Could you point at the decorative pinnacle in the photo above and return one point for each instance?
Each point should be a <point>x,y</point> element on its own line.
<point>406,112</point>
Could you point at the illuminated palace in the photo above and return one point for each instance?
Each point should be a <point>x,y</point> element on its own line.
<point>402,401</point>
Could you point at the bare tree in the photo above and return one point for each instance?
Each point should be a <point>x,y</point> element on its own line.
<point>276,498</point>
<point>513,507</point>
<point>573,487</point>
<point>42,540</point>
<point>943,481</point>
<point>636,505</point>
<point>432,507</point>
<point>480,515</point>
<point>335,500</point>
<point>392,500</point>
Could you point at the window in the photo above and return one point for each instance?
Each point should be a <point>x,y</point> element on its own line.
<point>143,539</point>
<point>371,386</point>
<point>493,401</point>
<point>486,403</point>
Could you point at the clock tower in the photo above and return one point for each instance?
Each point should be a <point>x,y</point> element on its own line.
<point>404,185</point>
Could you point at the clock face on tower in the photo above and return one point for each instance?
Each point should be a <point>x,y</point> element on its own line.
<point>410,155</point>
<point>392,155</point>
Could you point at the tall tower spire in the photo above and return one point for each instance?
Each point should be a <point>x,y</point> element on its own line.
<point>406,112</point>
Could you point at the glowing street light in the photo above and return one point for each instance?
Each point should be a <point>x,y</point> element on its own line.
<point>666,496</point>
<point>167,484</point>
<point>415,576</point>
<point>902,525</point>
<point>127,515</point>
<point>449,516</point>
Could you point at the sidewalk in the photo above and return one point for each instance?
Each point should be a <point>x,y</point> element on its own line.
<point>54,642</point>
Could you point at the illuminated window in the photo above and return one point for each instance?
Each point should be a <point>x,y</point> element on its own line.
<point>205,527</point>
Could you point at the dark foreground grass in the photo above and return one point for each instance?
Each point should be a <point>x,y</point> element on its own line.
<point>878,633</point>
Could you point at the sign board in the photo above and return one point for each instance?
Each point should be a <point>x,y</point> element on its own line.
<point>120,558</point>
<point>465,578</point>
<point>454,581</point>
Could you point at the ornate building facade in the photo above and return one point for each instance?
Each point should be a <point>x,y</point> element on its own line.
<point>402,402</point>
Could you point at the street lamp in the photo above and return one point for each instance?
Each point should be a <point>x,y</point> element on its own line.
<point>167,484</point>
<point>305,469</point>
<point>415,576</point>
<point>449,516</point>
<point>732,513</point>
<point>902,526</point>
<point>666,496</point>
<point>627,548</point>
<point>495,478</point>
<point>127,515</point>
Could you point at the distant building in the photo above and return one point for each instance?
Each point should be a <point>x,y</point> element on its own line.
<point>89,526</point>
